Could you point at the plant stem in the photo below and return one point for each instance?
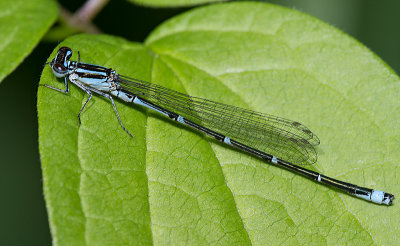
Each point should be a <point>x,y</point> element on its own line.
<point>82,19</point>
<point>90,9</point>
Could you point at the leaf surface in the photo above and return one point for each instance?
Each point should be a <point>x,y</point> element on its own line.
<point>171,185</point>
<point>22,25</point>
<point>172,3</point>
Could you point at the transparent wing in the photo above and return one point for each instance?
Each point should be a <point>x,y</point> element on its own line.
<point>288,140</point>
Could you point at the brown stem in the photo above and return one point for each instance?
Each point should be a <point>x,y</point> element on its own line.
<point>90,9</point>
<point>81,19</point>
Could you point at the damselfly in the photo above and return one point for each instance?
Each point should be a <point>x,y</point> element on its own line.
<point>279,141</point>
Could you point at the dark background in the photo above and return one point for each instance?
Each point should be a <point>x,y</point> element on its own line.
<point>23,217</point>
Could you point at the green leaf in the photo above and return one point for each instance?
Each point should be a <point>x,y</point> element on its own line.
<point>60,32</point>
<point>22,25</point>
<point>171,185</point>
<point>173,3</point>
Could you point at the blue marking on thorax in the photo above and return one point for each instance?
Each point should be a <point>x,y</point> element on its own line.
<point>86,71</point>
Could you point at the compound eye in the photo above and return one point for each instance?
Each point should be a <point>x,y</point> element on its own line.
<point>68,55</point>
<point>60,68</point>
